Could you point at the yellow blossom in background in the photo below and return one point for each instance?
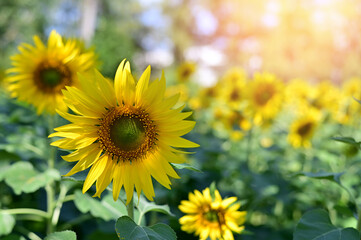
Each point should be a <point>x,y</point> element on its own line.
<point>185,71</point>
<point>214,218</point>
<point>349,108</point>
<point>298,92</point>
<point>204,97</point>
<point>265,97</point>
<point>126,133</point>
<point>303,129</point>
<point>326,98</point>
<point>40,72</point>
<point>232,88</point>
<point>181,89</point>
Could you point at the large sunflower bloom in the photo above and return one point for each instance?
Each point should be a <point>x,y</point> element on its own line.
<point>40,72</point>
<point>124,133</point>
<point>213,218</point>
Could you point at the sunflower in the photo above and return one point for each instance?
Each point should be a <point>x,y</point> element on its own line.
<point>126,133</point>
<point>185,71</point>
<point>213,218</point>
<point>303,129</point>
<point>40,72</point>
<point>232,88</point>
<point>348,107</point>
<point>265,95</point>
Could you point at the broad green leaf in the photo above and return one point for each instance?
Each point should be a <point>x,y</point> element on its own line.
<point>127,229</point>
<point>64,235</point>
<point>185,166</point>
<point>348,140</point>
<point>13,237</point>
<point>316,225</point>
<point>335,177</point>
<point>22,177</point>
<point>106,209</point>
<point>144,206</point>
<point>4,166</point>
<point>7,223</point>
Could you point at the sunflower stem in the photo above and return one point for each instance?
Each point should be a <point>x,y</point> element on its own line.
<point>50,195</point>
<point>30,211</point>
<point>130,209</point>
<point>249,144</point>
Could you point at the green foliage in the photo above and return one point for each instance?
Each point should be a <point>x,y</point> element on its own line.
<point>105,209</point>
<point>144,207</point>
<point>127,229</point>
<point>334,177</point>
<point>65,235</point>
<point>348,140</point>
<point>7,222</point>
<point>186,166</point>
<point>22,177</point>
<point>316,225</point>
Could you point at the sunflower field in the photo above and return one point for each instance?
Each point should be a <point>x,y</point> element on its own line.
<point>181,119</point>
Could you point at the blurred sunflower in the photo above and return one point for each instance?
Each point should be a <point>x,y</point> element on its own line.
<point>265,96</point>
<point>40,72</point>
<point>124,133</point>
<point>204,98</point>
<point>326,98</point>
<point>213,218</point>
<point>297,92</point>
<point>232,88</point>
<point>303,129</point>
<point>185,71</point>
<point>348,107</point>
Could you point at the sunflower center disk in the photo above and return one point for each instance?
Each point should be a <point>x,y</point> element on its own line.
<point>127,133</point>
<point>51,77</point>
<point>304,129</point>
<point>211,216</point>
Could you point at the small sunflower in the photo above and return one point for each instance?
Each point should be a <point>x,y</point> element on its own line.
<point>185,71</point>
<point>265,96</point>
<point>348,107</point>
<point>126,133</point>
<point>40,72</point>
<point>213,218</point>
<point>303,129</point>
<point>232,88</point>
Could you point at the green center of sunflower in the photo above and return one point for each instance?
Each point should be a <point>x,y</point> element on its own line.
<point>211,216</point>
<point>51,77</point>
<point>127,133</point>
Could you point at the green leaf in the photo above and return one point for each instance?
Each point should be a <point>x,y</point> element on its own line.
<point>127,229</point>
<point>4,166</point>
<point>13,237</point>
<point>316,225</point>
<point>106,209</point>
<point>64,235</point>
<point>22,177</point>
<point>334,177</point>
<point>348,140</point>
<point>185,166</point>
<point>7,223</point>
<point>144,206</point>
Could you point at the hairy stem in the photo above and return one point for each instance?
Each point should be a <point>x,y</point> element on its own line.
<point>30,211</point>
<point>130,209</point>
